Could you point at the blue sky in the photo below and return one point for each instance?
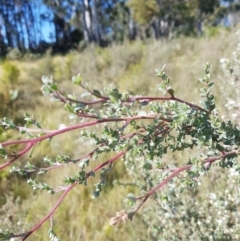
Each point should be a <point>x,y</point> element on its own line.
<point>46,26</point>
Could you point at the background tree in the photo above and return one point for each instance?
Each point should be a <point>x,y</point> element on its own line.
<point>70,22</point>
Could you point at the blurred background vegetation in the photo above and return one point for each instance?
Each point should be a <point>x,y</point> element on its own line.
<point>29,28</point>
<point>120,43</point>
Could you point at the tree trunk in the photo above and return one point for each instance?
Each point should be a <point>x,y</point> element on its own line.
<point>132,28</point>
<point>86,22</point>
<point>156,28</point>
<point>95,25</point>
<point>199,23</point>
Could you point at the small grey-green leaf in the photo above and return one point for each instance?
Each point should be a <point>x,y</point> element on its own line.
<point>97,93</point>
<point>84,94</point>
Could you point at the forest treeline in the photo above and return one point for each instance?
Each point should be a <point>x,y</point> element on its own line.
<point>75,23</point>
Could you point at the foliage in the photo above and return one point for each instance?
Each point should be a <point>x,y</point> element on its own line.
<point>209,215</point>
<point>75,24</point>
<point>231,84</point>
<point>9,79</point>
<point>11,214</point>
<point>76,218</point>
<point>11,72</point>
<point>207,212</point>
<point>14,54</point>
<point>144,11</point>
<point>139,129</point>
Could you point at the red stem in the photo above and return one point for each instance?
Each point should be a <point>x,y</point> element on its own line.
<point>78,126</point>
<point>67,190</point>
<point>24,151</point>
<point>179,170</point>
<point>50,213</point>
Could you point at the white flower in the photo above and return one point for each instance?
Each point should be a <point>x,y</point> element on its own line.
<point>222,60</point>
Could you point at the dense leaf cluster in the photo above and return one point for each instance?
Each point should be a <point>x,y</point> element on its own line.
<point>140,130</point>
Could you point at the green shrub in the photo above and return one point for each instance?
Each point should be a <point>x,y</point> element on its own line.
<point>11,73</point>
<point>14,54</point>
<point>189,192</point>
<point>8,82</point>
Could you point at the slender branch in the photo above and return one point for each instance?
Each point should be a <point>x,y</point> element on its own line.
<point>67,190</point>
<point>23,152</point>
<point>162,184</point>
<point>128,136</point>
<point>88,102</point>
<point>103,99</point>
<point>179,170</point>
<point>191,105</point>
<point>109,161</point>
<point>79,126</point>
<point>50,213</point>
<point>22,128</point>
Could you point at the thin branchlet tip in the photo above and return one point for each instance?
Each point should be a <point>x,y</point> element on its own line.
<point>121,216</point>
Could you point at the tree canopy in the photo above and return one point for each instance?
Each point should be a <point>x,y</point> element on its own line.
<point>73,23</point>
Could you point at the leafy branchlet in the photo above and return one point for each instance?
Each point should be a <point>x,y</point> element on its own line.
<point>139,129</point>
